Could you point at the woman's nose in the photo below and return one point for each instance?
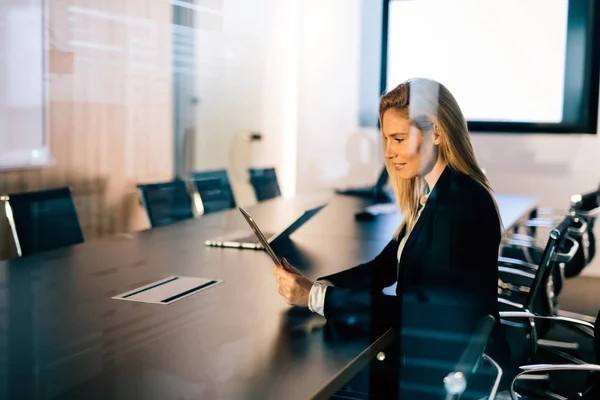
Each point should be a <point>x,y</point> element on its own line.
<point>389,152</point>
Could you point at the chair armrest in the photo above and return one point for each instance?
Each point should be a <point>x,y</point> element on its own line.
<point>560,367</point>
<point>550,218</point>
<point>587,327</point>
<point>528,369</point>
<point>516,264</point>
<point>542,222</point>
<point>516,272</point>
<point>575,231</point>
<point>494,390</point>
<point>568,256</point>
<point>522,237</point>
<point>521,250</point>
<point>455,382</point>
<point>520,240</point>
<point>509,303</point>
<point>547,211</point>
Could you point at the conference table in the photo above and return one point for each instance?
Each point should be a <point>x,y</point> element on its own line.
<point>63,336</point>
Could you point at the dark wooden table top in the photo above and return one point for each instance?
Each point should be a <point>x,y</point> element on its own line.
<point>63,337</point>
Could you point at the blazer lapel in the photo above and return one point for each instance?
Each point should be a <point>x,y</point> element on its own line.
<point>428,211</point>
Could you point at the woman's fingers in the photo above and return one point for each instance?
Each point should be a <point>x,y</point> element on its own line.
<point>290,282</point>
<point>289,267</point>
<point>286,292</point>
<point>284,275</point>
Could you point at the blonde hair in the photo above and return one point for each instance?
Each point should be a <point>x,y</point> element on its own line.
<point>428,104</point>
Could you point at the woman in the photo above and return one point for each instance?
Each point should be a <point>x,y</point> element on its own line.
<point>444,255</point>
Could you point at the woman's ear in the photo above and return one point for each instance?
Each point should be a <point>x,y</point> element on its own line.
<point>436,135</point>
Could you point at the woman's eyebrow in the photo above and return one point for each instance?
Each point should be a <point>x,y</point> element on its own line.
<point>397,134</point>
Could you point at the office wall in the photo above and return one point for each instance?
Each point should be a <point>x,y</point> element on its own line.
<point>245,80</point>
<point>333,151</point>
<point>109,114</point>
<point>288,70</point>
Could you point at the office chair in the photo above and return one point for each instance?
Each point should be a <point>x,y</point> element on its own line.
<point>167,202</point>
<point>376,192</point>
<point>533,375</point>
<point>264,182</point>
<point>529,254</point>
<point>587,208</point>
<point>214,190</point>
<point>538,308</point>
<point>43,220</point>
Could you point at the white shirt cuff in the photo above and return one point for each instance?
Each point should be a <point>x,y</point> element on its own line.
<point>316,298</point>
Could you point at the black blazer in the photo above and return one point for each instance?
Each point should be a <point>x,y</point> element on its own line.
<point>447,275</point>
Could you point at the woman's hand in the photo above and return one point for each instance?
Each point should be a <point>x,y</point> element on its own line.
<point>293,286</point>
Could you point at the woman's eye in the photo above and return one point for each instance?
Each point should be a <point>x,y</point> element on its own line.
<point>399,140</point>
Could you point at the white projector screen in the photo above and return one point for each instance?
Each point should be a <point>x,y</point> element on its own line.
<point>23,139</point>
<point>504,60</point>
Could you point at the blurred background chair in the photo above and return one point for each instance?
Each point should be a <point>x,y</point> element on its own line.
<point>214,189</point>
<point>527,271</point>
<point>525,242</point>
<point>264,182</point>
<point>42,220</point>
<point>587,207</point>
<point>583,206</point>
<point>525,251</point>
<point>166,202</point>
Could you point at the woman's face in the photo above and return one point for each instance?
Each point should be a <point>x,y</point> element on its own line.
<point>407,151</point>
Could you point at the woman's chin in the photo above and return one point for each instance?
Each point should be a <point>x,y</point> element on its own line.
<point>403,174</point>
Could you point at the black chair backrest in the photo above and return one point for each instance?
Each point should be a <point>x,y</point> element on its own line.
<point>585,252</point>
<point>264,182</point>
<point>214,190</point>
<point>584,206</point>
<point>556,241</point>
<point>586,202</point>
<point>43,220</point>
<point>166,202</point>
